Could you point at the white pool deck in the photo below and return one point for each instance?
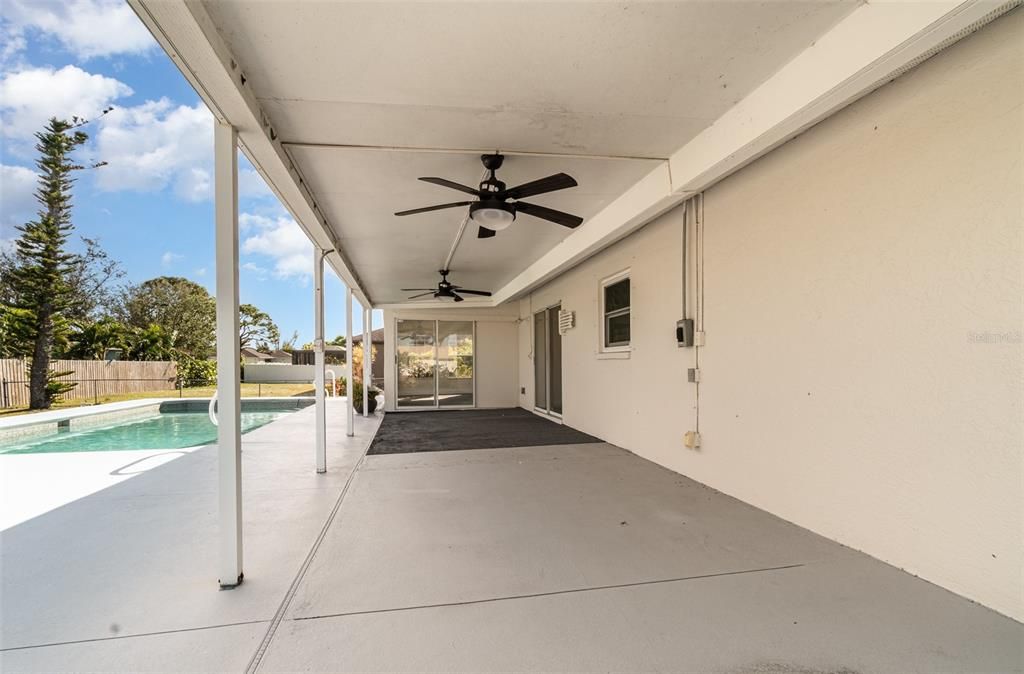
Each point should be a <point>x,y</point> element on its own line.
<point>561,558</point>
<point>34,484</point>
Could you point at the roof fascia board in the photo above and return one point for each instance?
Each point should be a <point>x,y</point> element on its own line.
<point>188,35</point>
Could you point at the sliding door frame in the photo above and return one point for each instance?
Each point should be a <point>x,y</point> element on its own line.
<point>436,406</point>
<point>550,333</point>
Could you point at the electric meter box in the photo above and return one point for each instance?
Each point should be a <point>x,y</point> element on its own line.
<point>684,332</point>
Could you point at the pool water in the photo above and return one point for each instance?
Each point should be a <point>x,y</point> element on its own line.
<point>166,430</point>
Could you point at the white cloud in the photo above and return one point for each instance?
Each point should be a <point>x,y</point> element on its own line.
<point>17,198</point>
<point>194,184</point>
<point>155,145</point>
<point>87,28</point>
<point>201,271</point>
<point>257,271</point>
<point>280,239</point>
<point>14,44</point>
<point>169,258</point>
<point>30,96</point>
<point>148,147</point>
<point>251,185</point>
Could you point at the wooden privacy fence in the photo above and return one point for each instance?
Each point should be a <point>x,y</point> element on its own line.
<point>95,378</point>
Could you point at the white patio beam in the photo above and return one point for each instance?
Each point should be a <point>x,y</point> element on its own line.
<point>229,407</point>
<point>876,42</point>
<point>319,361</point>
<point>350,409</point>
<point>367,361</point>
<point>188,35</point>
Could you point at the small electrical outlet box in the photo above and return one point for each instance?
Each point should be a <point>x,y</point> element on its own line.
<point>692,439</point>
<point>684,332</point>
<point>693,375</point>
<point>522,389</point>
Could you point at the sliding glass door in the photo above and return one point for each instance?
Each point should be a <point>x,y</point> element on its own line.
<point>547,362</point>
<point>416,371</point>
<point>435,364</point>
<point>455,363</point>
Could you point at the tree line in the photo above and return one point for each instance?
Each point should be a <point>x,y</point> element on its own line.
<point>55,303</point>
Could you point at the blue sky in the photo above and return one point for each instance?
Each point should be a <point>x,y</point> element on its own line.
<point>151,207</point>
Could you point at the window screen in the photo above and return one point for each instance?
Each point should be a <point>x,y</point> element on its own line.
<point>616,313</point>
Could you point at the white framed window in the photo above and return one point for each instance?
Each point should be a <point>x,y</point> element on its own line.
<point>615,320</point>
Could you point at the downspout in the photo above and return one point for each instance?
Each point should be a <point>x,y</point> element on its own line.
<point>698,341</point>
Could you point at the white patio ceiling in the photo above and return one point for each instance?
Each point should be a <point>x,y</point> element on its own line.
<point>343,105</point>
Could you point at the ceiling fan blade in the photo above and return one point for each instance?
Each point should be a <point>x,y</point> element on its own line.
<point>453,185</point>
<point>434,208</point>
<point>421,295</point>
<point>559,181</point>
<point>564,219</point>
<point>457,298</point>
<point>465,291</point>
<point>484,233</point>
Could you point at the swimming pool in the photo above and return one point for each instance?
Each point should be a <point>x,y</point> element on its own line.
<point>153,427</point>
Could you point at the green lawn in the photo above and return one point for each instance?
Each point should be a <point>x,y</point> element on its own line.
<point>248,391</point>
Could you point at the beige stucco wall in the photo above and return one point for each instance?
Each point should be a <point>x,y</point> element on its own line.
<point>863,308</point>
<point>495,351</point>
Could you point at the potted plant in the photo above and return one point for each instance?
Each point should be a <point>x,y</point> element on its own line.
<point>357,394</point>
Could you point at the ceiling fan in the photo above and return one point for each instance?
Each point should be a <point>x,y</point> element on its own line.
<point>496,205</point>
<point>446,289</point>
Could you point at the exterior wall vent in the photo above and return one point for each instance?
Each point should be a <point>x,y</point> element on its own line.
<point>566,321</point>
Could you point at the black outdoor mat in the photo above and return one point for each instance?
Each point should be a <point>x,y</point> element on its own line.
<point>405,432</point>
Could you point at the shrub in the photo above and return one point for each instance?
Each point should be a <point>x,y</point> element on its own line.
<point>196,372</point>
<point>357,391</point>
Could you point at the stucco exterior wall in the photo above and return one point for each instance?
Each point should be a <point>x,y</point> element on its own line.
<point>862,288</point>
<point>495,351</point>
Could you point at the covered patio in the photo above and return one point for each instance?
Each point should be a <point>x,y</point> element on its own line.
<point>713,461</point>
<point>570,557</point>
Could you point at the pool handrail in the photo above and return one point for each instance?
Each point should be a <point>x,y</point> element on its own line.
<point>210,409</point>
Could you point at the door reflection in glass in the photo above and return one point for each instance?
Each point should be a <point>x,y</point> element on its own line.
<point>435,363</point>
<point>455,363</point>
<point>415,346</point>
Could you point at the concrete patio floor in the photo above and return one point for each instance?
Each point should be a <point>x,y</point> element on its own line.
<point>553,558</point>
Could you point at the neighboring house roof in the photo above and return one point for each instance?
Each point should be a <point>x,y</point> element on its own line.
<point>249,352</point>
<point>376,337</point>
<point>308,356</point>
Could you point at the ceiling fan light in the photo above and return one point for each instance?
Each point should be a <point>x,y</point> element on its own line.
<point>495,219</point>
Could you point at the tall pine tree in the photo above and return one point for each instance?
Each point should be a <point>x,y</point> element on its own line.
<point>40,278</point>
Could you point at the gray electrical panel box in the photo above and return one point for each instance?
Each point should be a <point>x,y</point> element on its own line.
<point>684,332</point>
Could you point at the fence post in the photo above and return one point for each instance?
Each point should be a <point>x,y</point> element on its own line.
<point>7,400</point>
<point>95,396</point>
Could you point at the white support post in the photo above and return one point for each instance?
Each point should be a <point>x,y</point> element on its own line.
<point>350,409</point>
<point>229,408</point>
<point>319,364</point>
<point>367,361</point>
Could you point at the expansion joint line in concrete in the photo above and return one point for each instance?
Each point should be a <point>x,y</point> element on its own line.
<point>275,622</point>
<point>132,636</point>
<point>552,593</point>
